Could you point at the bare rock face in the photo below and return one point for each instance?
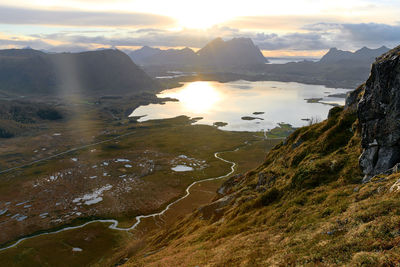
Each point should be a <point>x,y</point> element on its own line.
<point>379,116</point>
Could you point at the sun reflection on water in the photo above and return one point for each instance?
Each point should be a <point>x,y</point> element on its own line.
<point>196,97</point>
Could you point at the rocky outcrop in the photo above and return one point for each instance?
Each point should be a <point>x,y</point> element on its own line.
<point>379,116</point>
<point>227,187</point>
<point>215,209</point>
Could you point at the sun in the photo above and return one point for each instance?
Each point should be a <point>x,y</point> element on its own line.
<point>197,97</point>
<point>201,16</point>
<point>198,20</point>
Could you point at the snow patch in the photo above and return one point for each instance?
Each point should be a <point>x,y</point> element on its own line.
<point>182,168</point>
<point>93,201</point>
<point>19,217</point>
<point>93,198</point>
<point>21,203</point>
<point>122,160</point>
<point>44,215</point>
<point>3,211</point>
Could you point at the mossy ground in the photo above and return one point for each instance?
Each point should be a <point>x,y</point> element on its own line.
<point>304,206</point>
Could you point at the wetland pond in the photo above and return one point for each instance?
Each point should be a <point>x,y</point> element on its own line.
<point>244,105</point>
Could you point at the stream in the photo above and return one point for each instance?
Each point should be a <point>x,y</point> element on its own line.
<point>114,223</point>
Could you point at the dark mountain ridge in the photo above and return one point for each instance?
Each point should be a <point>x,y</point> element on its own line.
<point>235,52</point>
<point>32,72</point>
<point>217,53</point>
<point>154,56</point>
<point>361,56</point>
<point>141,54</point>
<point>239,58</point>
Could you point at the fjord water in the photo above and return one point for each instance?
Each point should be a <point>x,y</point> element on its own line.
<point>229,102</point>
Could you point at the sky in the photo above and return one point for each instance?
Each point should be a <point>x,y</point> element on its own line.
<point>279,27</point>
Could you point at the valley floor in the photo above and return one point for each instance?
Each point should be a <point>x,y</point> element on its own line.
<point>108,169</point>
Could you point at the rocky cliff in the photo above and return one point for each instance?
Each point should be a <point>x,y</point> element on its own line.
<point>379,113</point>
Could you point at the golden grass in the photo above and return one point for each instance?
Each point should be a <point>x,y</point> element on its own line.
<point>311,210</point>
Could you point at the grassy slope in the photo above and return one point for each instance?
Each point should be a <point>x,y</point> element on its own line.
<point>304,206</point>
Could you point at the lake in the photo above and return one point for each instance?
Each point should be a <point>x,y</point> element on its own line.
<point>230,102</point>
<point>284,60</point>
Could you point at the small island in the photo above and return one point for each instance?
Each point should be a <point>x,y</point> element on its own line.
<point>220,124</point>
<point>281,131</point>
<point>195,119</point>
<point>313,100</point>
<point>340,95</point>
<point>248,118</point>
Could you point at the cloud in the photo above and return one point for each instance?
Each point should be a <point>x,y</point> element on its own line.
<point>6,41</point>
<point>357,35</point>
<point>279,23</point>
<point>141,37</point>
<point>13,15</point>
<point>313,37</point>
<point>367,32</point>
<point>293,41</point>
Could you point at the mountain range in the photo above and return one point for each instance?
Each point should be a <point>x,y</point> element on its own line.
<point>362,56</point>
<point>217,53</point>
<point>32,72</point>
<point>239,58</point>
<point>109,71</point>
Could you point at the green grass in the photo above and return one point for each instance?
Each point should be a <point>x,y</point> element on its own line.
<point>96,241</point>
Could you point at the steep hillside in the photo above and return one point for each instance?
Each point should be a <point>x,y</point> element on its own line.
<point>31,72</point>
<point>306,204</point>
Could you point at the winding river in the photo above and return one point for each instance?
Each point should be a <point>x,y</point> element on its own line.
<point>114,223</point>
